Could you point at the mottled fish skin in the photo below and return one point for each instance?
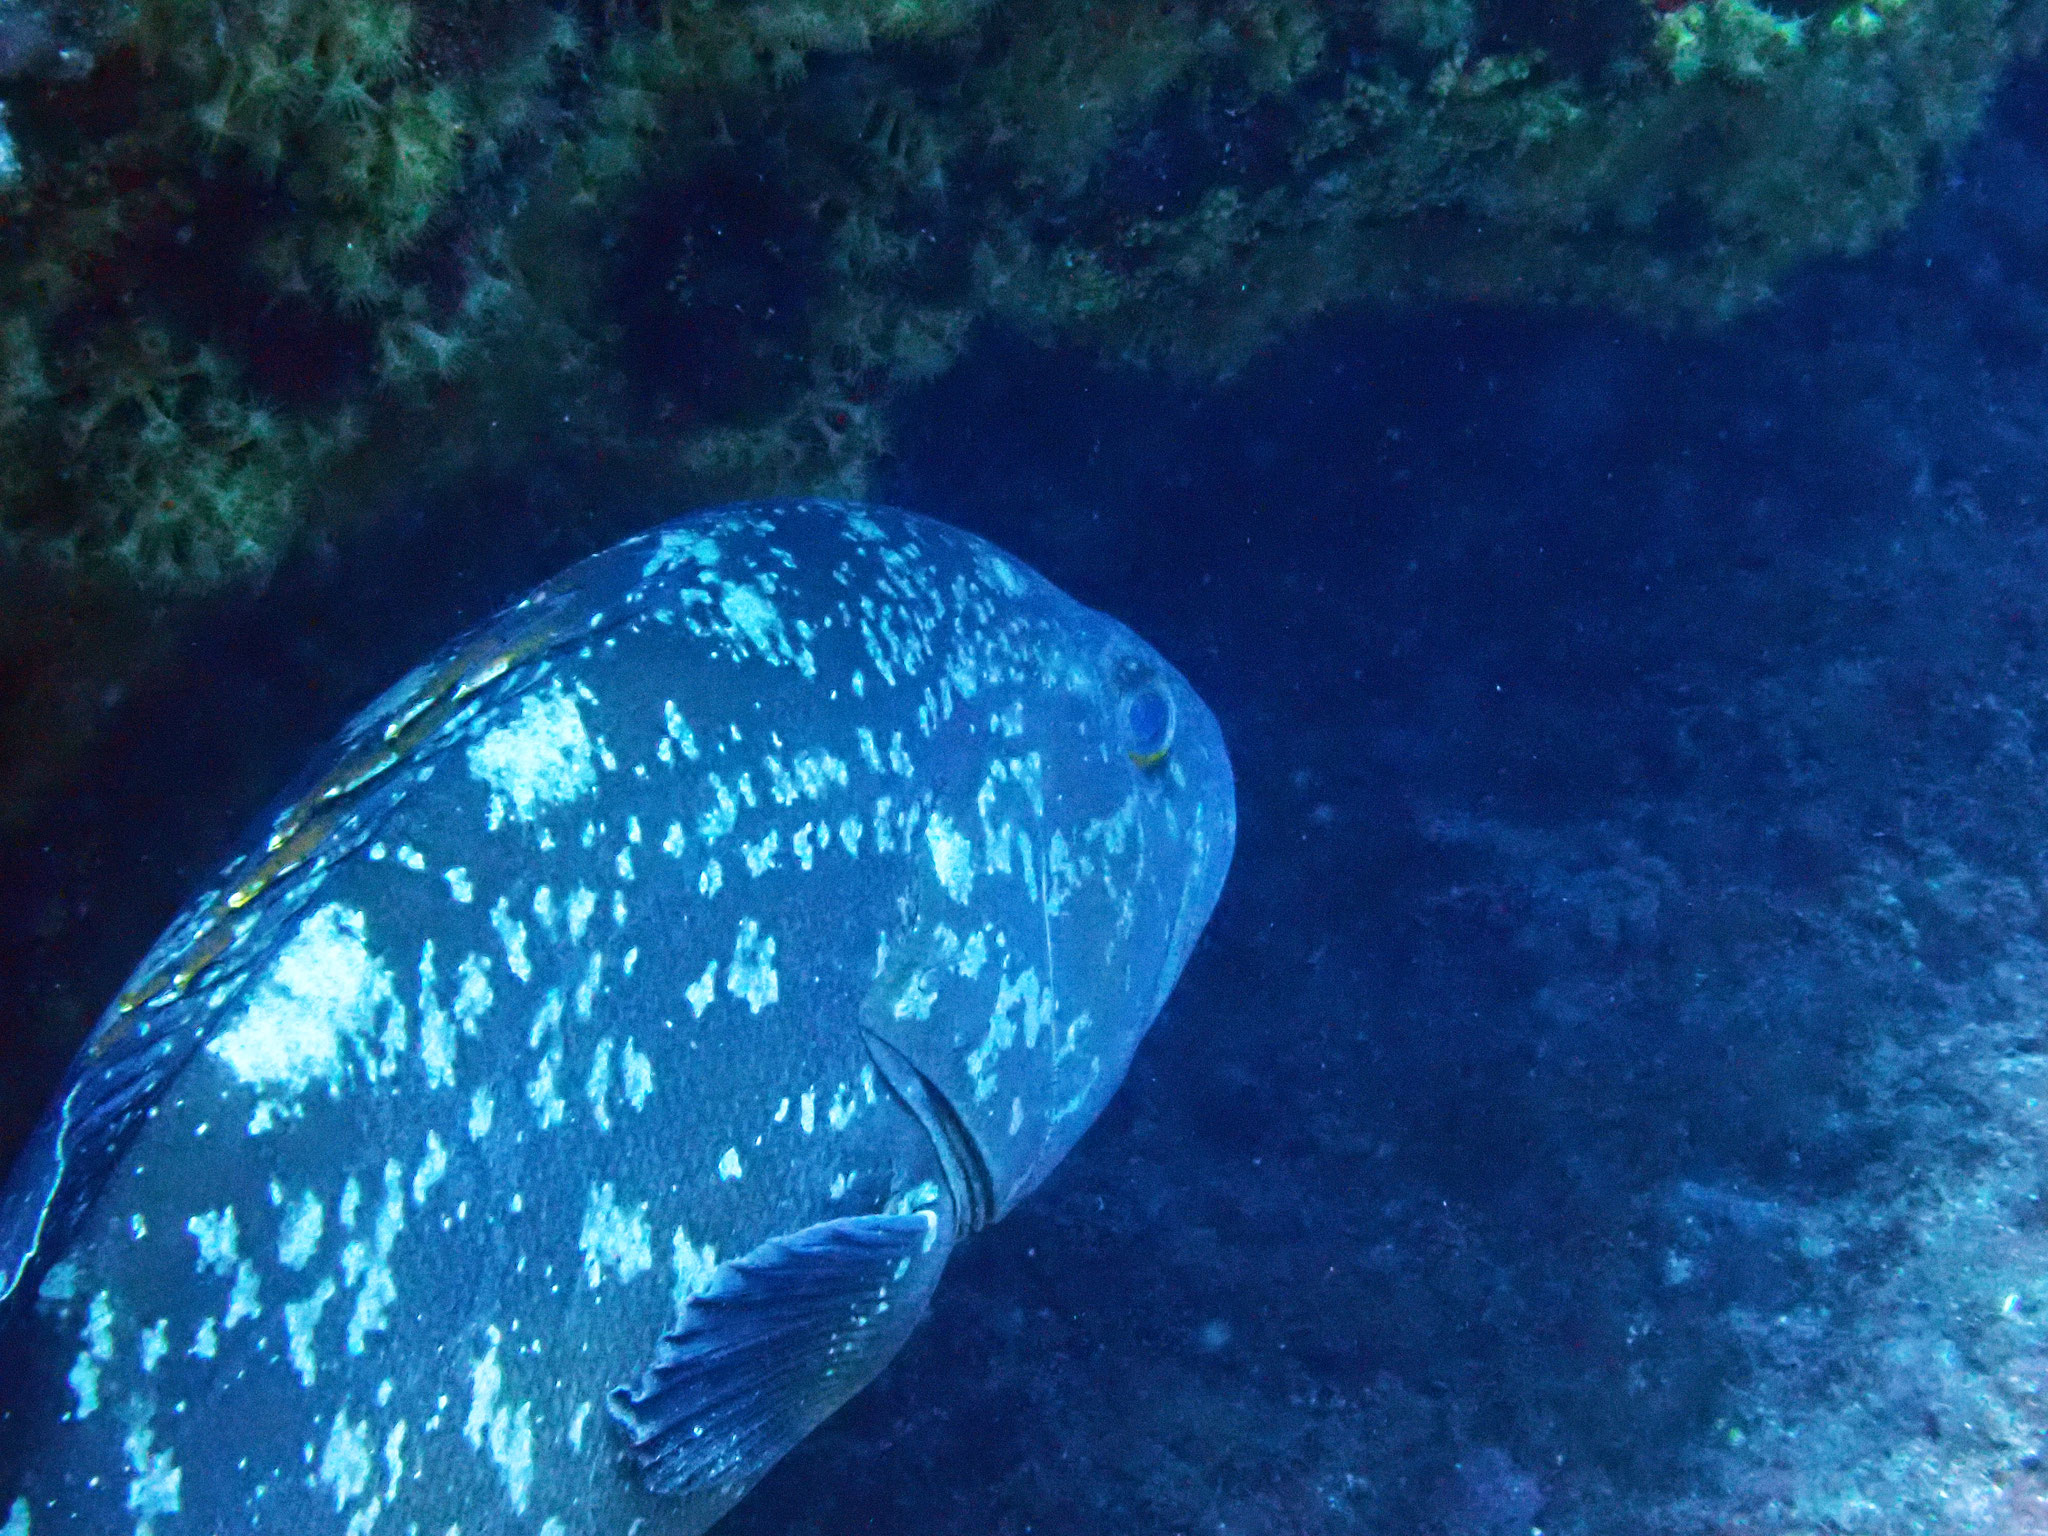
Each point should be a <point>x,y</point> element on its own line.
<point>789,878</point>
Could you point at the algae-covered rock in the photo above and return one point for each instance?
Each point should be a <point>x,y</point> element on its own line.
<point>262,259</point>
<point>1689,158</point>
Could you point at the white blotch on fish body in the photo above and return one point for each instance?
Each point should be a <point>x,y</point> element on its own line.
<point>695,1268</point>
<point>504,1432</point>
<point>582,902</point>
<point>60,1283</point>
<point>750,612</point>
<point>244,1296</point>
<point>301,1324</point>
<point>325,1007</point>
<point>761,856</point>
<point>1021,1003</point>
<point>484,1381</point>
<point>751,976</point>
<point>677,548</point>
<point>591,986</point>
<point>952,857</point>
<point>98,1335</point>
<point>345,1463</point>
<point>512,934</point>
<point>700,992</point>
<point>473,995</point>
<point>437,1029</point>
<point>299,1234</point>
<point>432,1169</point>
<point>218,1236</point>
<point>678,730</point>
<point>916,999</point>
<point>598,1086</point>
<point>542,758</point>
<point>614,1237</point>
<point>154,1481</point>
<point>372,1263</point>
<point>544,1091</point>
<point>844,1106</point>
<point>394,1452</point>
<point>725,810</point>
<point>84,1381</point>
<point>154,1344</point>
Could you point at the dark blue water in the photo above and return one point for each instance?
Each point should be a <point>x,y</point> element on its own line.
<point>1608,1098</point>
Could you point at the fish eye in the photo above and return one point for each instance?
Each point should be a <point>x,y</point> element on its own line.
<point>1146,715</point>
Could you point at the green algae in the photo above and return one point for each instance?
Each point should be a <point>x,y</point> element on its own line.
<point>265,260</point>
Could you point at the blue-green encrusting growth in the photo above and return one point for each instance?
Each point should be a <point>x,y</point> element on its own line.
<point>573,1093</point>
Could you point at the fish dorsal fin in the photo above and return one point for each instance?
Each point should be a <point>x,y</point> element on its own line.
<point>778,1340</point>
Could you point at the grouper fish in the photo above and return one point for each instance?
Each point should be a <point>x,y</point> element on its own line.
<point>572,1093</point>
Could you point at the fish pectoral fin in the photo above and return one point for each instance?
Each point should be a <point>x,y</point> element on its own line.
<point>777,1341</point>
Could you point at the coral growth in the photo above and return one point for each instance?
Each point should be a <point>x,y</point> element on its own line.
<point>247,247</point>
